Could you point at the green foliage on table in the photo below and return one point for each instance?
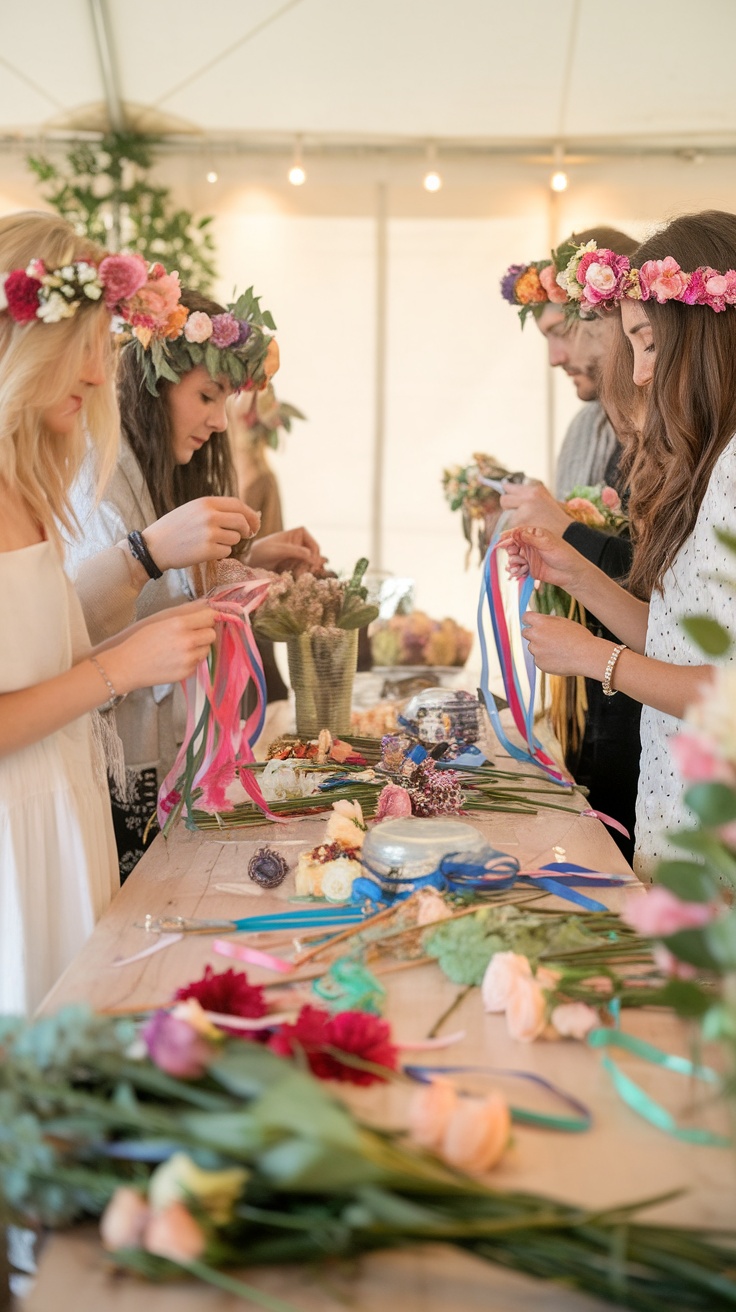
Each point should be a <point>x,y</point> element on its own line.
<point>104,189</point>
<point>82,1114</point>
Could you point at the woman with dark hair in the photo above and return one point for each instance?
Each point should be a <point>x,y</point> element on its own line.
<point>170,506</point>
<point>678,323</point>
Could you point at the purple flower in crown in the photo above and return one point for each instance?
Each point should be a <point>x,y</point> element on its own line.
<point>509,281</point>
<point>244,333</point>
<point>601,275</point>
<point>225,330</point>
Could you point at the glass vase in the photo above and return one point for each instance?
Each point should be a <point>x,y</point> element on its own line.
<point>322,667</point>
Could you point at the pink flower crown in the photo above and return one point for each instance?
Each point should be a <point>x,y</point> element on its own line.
<point>582,278</point>
<point>146,302</point>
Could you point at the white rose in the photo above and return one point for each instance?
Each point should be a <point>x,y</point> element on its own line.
<point>502,973</point>
<point>337,879</point>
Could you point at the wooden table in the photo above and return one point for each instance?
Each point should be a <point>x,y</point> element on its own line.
<point>619,1160</point>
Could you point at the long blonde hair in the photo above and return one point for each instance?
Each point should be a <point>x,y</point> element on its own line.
<point>40,365</point>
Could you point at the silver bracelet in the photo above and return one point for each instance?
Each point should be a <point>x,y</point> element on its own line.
<point>608,691</point>
<point>115,698</point>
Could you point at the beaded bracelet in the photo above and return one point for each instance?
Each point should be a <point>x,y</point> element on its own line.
<point>139,549</point>
<point>115,698</point>
<point>608,691</point>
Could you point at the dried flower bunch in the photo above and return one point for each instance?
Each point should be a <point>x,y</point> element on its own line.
<point>308,604</point>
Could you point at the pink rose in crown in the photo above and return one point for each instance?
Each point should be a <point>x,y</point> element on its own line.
<point>610,498</point>
<point>662,280</point>
<point>198,327</point>
<point>658,913</point>
<point>157,299</point>
<point>122,276</point>
<point>601,274</point>
<point>548,279</point>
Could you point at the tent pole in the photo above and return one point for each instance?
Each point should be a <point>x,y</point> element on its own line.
<point>379,430</point>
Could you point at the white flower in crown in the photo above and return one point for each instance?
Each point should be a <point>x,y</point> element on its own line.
<point>54,307</point>
<point>86,273</point>
<point>68,272</point>
<point>567,278</point>
<point>92,291</point>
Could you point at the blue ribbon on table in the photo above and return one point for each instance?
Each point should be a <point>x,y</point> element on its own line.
<point>498,872</point>
<point>521,1115</point>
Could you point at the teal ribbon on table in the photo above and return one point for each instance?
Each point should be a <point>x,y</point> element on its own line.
<point>348,985</point>
<point>640,1102</point>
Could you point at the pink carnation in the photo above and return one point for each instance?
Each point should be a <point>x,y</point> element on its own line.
<point>663,280</point>
<point>548,279</point>
<point>122,276</point>
<point>658,913</point>
<point>696,760</point>
<point>157,299</point>
<point>225,330</point>
<point>198,327</point>
<point>601,274</point>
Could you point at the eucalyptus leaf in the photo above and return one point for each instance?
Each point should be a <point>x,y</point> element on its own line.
<point>687,880</point>
<point>708,634</point>
<point>713,803</point>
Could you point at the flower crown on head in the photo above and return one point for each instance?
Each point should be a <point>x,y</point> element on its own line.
<point>145,301</point>
<point>582,278</point>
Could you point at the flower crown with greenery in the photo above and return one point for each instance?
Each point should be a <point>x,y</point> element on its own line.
<point>582,278</point>
<point>146,301</point>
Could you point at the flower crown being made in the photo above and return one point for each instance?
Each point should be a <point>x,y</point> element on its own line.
<point>146,300</point>
<point>584,278</point>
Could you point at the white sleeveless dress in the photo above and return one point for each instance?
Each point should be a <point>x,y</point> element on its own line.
<point>58,864</point>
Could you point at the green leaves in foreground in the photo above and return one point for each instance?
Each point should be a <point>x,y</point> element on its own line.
<point>707,634</point>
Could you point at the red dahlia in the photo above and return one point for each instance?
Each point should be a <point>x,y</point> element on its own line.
<point>356,1033</point>
<point>22,295</point>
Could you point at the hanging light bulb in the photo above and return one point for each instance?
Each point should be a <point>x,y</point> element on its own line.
<point>432,179</point>
<point>297,172</point>
<point>559,180</point>
<point>212,175</point>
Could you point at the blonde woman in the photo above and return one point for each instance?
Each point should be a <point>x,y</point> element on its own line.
<point>58,868</point>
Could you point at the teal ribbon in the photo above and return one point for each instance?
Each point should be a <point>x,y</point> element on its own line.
<point>348,985</point>
<point>640,1102</point>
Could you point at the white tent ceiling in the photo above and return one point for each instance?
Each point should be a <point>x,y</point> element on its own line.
<point>594,74</point>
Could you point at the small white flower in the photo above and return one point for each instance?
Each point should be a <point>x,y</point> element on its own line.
<point>86,273</point>
<point>68,273</point>
<point>55,308</point>
<point>93,291</point>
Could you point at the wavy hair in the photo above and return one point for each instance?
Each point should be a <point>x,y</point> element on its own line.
<point>689,411</point>
<point>40,366</point>
<point>146,423</point>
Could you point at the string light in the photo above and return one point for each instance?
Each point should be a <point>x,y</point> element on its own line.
<point>297,172</point>
<point>432,179</point>
<point>559,180</point>
<point>212,175</point>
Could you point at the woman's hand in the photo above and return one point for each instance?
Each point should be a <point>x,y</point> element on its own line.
<point>531,504</point>
<point>292,549</point>
<point>201,530</point>
<point>165,648</point>
<point>561,646</point>
<point>544,556</point>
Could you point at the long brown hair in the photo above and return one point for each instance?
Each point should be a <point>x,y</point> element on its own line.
<point>146,424</point>
<point>690,413</point>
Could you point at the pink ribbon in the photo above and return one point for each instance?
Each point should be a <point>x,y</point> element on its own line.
<point>252,956</point>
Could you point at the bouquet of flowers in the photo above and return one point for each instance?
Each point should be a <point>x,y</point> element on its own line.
<point>415,639</point>
<point>467,489</point>
<point>307,603</point>
<point>267,415</point>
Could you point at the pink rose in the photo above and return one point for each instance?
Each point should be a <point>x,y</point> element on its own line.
<point>502,973</point>
<point>393,800</point>
<point>477,1134</point>
<point>658,913</point>
<point>611,498</point>
<point>122,276</point>
<point>432,907</point>
<point>198,327</point>
<point>696,760</point>
<point>663,280</point>
<point>601,275</point>
<point>574,1020</point>
<point>176,1047</point>
<point>173,1233</point>
<point>430,1111</point>
<point>225,330</point>
<point>157,299</point>
<point>548,279</point>
<point>124,1220</point>
<point>526,1010</point>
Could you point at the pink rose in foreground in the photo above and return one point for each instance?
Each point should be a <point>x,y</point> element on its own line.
<point>477,1133</point>
<point>176,1047</point>
<point>122,276</point>
<point>198,327</point>
<point>502,972</point>
<point>430,1111</point>
<point>663,280</point>
<point>611,498</point>
<point>696,760</point>
<point>658,913</point>
<point>124,1220</point>
<point>174,1233</point>
<point>574,1020</point>
<point>548,279</point>
<point>393,800</point>
<point>526,1010</point>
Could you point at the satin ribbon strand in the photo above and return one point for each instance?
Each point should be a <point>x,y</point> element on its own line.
<point>521,1115</point>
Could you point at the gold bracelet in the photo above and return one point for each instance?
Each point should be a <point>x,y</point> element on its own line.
<point>115,698</point>
<point>608,691</point>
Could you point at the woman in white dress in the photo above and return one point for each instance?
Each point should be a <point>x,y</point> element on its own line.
<point>58,869</point>
<point>678,319</point>
<point>173,488</point>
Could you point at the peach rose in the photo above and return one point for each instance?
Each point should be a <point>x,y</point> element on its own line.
<point>503,970</point>
<point>431,1108</point>
<point>574,1020</point>
<point>174,1233</point>
<point>526,1010</point>
<point>548,279</point>
<point>477,1133</point>
<point>431,907</point>
<point>124,1220</point>
<point>346,825</point>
